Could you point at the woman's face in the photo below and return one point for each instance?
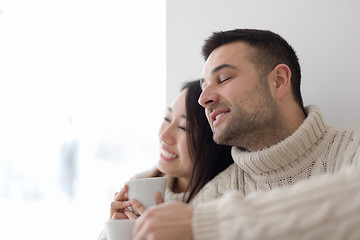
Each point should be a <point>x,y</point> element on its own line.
<point>174,155</point>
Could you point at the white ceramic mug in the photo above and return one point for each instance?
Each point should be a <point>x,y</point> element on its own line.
<point>119,229</point>
<point>145,190</point>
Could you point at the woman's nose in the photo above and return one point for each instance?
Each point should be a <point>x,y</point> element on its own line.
<point>167,135</point>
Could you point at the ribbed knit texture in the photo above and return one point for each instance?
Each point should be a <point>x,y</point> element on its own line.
<point>311,209</point>
<point>322,208</point>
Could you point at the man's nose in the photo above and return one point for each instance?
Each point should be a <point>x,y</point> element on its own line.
<point>207,97</point>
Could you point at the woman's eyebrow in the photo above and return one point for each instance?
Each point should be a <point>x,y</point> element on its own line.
<point>181,115</point>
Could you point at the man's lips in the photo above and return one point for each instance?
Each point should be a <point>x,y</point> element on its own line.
<point>217,114</point>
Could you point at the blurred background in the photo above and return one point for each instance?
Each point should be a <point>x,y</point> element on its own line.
<point>82,95</point>
<point>84,86</point>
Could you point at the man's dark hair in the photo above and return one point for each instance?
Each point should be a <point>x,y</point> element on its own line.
<point>270,49</point>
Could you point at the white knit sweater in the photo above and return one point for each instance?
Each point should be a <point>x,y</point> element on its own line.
<point>305,187</point>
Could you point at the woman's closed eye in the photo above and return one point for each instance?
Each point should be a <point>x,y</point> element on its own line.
<point>166,119</point>
<point>182,128</point>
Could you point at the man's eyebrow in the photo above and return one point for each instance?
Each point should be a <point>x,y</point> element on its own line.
<point>218,68</point>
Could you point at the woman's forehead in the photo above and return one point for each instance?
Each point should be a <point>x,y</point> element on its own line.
<point>178,106</point>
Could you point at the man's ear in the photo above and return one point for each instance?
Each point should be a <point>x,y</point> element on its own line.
<point>280,80</point>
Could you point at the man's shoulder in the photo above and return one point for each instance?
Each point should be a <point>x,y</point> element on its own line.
<point>353,132</point>
<point>225,181</point>
<point>346,141</point>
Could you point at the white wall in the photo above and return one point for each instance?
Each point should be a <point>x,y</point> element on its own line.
<point>325,34</point>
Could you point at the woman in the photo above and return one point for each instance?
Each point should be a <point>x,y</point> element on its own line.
<point>188,155</point>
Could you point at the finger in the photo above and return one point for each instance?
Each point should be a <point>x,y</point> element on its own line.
<point>121,194</point>
<point>130,214</point>
<point>118,215</point>
<point>118,206</point>
<point>138,206</point>
<point>159,199</point>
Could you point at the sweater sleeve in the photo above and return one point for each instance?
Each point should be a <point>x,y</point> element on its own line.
<point>325,207</point>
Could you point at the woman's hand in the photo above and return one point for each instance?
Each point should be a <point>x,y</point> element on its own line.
<point>120,207</point>
<point>140,208</point>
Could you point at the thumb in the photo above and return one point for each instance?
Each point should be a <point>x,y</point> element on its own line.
<point>159,198</point>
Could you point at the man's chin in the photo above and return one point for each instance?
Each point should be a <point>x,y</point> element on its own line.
<point>219,139</point>
<point>224,138</point>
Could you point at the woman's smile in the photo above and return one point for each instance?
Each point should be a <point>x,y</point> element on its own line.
<point>166,155</point>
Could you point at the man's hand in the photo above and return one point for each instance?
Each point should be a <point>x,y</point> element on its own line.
<point>170,220</point>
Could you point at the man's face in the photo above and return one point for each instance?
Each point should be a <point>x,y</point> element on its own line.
<point>238,104</point>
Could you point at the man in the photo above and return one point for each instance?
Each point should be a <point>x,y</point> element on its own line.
<point>294,176</point>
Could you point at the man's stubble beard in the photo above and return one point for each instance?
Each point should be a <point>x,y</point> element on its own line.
<point>251,130</point>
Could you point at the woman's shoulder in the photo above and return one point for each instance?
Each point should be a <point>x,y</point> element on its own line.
<point>153,172</point>
<point>172,196</point>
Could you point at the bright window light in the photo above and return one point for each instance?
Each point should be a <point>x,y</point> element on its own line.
<point>82,95</point>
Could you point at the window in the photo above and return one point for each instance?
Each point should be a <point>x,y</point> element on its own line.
<point>82,95</point>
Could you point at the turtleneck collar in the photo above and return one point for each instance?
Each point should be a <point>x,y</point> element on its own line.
<point>284,154</point>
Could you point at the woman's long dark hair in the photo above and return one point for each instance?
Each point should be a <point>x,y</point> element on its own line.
<point>208,157</point>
